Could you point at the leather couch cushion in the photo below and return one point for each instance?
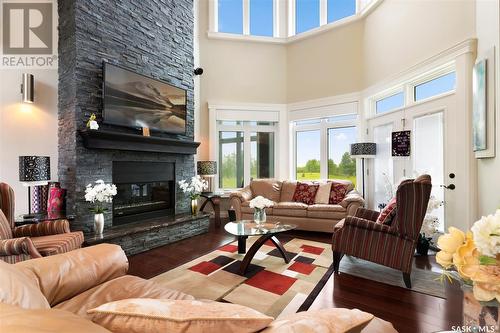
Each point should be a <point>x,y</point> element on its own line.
<point>127,286</point>
<point>19,286</point>
<point>188,316</point>
<point>287,191</point>
<point>335,212</point>
<point>268,188</point>
<point>296,209</point>
<point>68,274</point>
<point>245,208</point>
<point>335,320</point>
<point>14,319</point>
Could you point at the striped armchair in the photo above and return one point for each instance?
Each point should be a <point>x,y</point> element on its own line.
<point>32,240</point>
<point>392,246</point>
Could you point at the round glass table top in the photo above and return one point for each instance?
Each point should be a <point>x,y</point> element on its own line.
<point>250,228</point>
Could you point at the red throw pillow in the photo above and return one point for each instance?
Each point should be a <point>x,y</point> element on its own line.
<point>387,215</point>
<point>305,193</point>
<point>337,193</point>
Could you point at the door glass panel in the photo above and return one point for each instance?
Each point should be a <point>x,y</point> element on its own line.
<point>261,155</point>
<point>340,163</point>
<point>428,156</point>
<point>308,155</point>
<point>231,159</point>
<point>383,166</point>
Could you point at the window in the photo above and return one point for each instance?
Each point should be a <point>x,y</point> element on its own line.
<point>261,17</point>
<point>261,155</point>
<point>230,13</point>
<point>383,166</point>
<point>339,9</point>
<point>231,159</point>
<point>308,155</point>
<point>340,163</point>
<point>435,87</point>
<point>306,15</point>
<point>390,103</point>
<point>246,150</point>
<point>322,148</point>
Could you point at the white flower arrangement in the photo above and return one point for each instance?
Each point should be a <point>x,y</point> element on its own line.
<point>486,234</point>
<point>99,193</point>
<point>193,188</point>
<point>260,202</point>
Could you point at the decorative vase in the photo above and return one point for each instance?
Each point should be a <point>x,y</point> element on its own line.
<point>194,206</point>
<point>99,223</point>
<point>259,216</point>
<point>422,245</point>
<point>479,316</point>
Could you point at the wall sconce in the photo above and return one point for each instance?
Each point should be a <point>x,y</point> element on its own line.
<point>28,88</point>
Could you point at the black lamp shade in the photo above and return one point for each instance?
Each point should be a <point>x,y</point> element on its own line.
<point>207,168</point>
<point>34,168</point>
<point>364,150</point>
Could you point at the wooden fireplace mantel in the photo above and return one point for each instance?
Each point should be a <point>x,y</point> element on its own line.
<point>103,139</point>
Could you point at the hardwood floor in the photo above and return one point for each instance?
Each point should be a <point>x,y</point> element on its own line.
<point>408,311</point>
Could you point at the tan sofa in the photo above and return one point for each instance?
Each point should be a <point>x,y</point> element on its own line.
<point>53,294</point>
<point>317,217</point>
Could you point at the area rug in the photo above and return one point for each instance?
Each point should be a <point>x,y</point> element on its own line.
<point>270,286</point>
<point>422,280</point>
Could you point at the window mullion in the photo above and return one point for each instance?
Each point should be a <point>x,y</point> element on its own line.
<point>322,12</point>
<point>323,150</point>
<point>246,17</point>
<point>246,156</point>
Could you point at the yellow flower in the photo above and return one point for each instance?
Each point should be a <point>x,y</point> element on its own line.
<point>466,258</point>
<point>451,241</point>
<point>487,283</point>
<point>444,259</point>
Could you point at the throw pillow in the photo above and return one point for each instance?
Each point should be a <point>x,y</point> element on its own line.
<point>138,315</point>
<point>387,215</point>
<point>337,193</point>
<point>323,194</point>
<point>20,287</point>
<point>305,193</point>
<point>336,320</point>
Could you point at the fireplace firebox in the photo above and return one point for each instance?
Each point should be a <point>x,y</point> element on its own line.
<point>144,190</point>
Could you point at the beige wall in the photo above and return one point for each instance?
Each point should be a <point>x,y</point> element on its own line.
<point>487,28</point>
<point>236,72</point>
<point>27,129</point>
<point>401,33</point>
<point>327,64</point>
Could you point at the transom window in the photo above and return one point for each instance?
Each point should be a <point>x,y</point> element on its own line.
<point>322,148</point>
<point>434,87</point>
<point>390,103</point>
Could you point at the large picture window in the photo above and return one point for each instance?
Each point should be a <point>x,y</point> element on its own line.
<point>231,159</point>
<point>322,148</point>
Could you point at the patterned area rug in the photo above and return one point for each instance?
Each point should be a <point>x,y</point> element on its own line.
<point>270,286</point>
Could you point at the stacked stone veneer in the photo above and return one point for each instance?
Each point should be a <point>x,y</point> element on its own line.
<point>150,37</point>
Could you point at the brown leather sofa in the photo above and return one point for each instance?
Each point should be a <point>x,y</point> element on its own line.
<point>53,294</point>
<point>317,217</point>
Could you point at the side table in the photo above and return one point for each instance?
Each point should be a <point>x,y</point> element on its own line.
<point>214,200</point>
<point>37,218</point>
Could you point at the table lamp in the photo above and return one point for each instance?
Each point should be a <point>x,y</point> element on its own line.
<point>363,150</point>
<point>33,171</point>
<point>207,170</point>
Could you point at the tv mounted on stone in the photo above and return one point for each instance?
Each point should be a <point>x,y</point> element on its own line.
<point>136,101</point>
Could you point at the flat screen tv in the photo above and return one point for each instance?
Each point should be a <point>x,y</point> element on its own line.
<point>135,100</point>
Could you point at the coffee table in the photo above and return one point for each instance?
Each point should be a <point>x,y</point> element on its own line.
<point>267,231</point>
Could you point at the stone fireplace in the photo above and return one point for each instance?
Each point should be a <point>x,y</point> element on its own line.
<point>144,190</point>
<point>152,38</point>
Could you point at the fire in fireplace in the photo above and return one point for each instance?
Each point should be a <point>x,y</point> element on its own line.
<point>144,190</point>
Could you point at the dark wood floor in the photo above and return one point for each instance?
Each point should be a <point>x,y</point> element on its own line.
<point>408,311</point>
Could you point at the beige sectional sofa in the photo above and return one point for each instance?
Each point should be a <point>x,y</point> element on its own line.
<point>318,217</point>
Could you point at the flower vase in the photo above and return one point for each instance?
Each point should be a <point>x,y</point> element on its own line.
<point>479,315</point>
<point>194,206</point>
<point>99,223</point>
<point>259,216</point>
<point>422,245</point>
